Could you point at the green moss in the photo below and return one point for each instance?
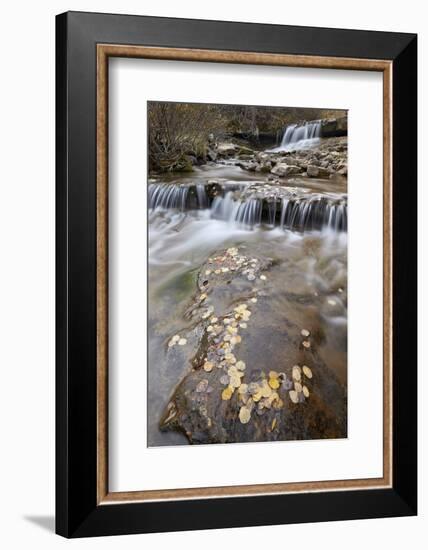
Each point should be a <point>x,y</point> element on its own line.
<point>180,286</point>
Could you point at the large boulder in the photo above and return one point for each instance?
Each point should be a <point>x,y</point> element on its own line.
<point>283,170</point>
<point>247,165</point>
<point>227,149</point>
<point>255,374</point>
<point>334,127</point>
<point>264,167</point>
<point>317,172</point>
<point>211,155</point>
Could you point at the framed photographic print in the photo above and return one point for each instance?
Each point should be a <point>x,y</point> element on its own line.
<point>236,274</point>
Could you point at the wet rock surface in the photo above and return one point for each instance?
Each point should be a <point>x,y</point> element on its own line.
<point>252,371</point>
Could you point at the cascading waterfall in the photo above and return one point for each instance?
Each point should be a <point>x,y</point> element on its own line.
<point>201,194</point>
<point>308,212</point>
<point>297,136</point>
<point>179,197</point>
<point>167,196</point>
<point>249,213</point>
<point>314,213</point>
<point>298,214</point>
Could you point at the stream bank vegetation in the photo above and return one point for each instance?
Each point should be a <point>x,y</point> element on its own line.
<point>247,324</point>
<point>184,134</point>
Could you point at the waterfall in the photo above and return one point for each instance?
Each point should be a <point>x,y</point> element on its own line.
<point>224,208</point>
<point>249,213</point>
<point>179,197</point>
<point>307,212</point>
<point>202,196</point>
<point>314,213</point>
<point>301,136</point>
<point>297,214</point>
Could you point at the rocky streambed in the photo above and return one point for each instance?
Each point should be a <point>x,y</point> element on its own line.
<point>327,159</point>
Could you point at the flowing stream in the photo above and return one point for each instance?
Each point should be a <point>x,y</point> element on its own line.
<point>303,231</point>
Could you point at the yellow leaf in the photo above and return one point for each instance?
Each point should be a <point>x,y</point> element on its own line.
<point>273,383</point>
<point>244,415</point>
<point>257,396</point>
<point>227,393</point>
<point>208,366</point>
<point>307,371</point>
<point>298,387</point>
<point>294,396</point>
<point>296,373</point>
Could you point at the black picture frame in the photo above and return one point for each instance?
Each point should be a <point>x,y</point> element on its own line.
<point>77,511</point>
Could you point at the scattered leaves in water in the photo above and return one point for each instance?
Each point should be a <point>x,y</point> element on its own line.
<point>273,424</point>
<point>305,391</point>
<point>298,387</point>
<point>307,371</point>
<point>304,332</point>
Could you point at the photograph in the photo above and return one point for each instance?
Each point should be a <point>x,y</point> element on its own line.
<point>202,345</point>
<point>247,210</point>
